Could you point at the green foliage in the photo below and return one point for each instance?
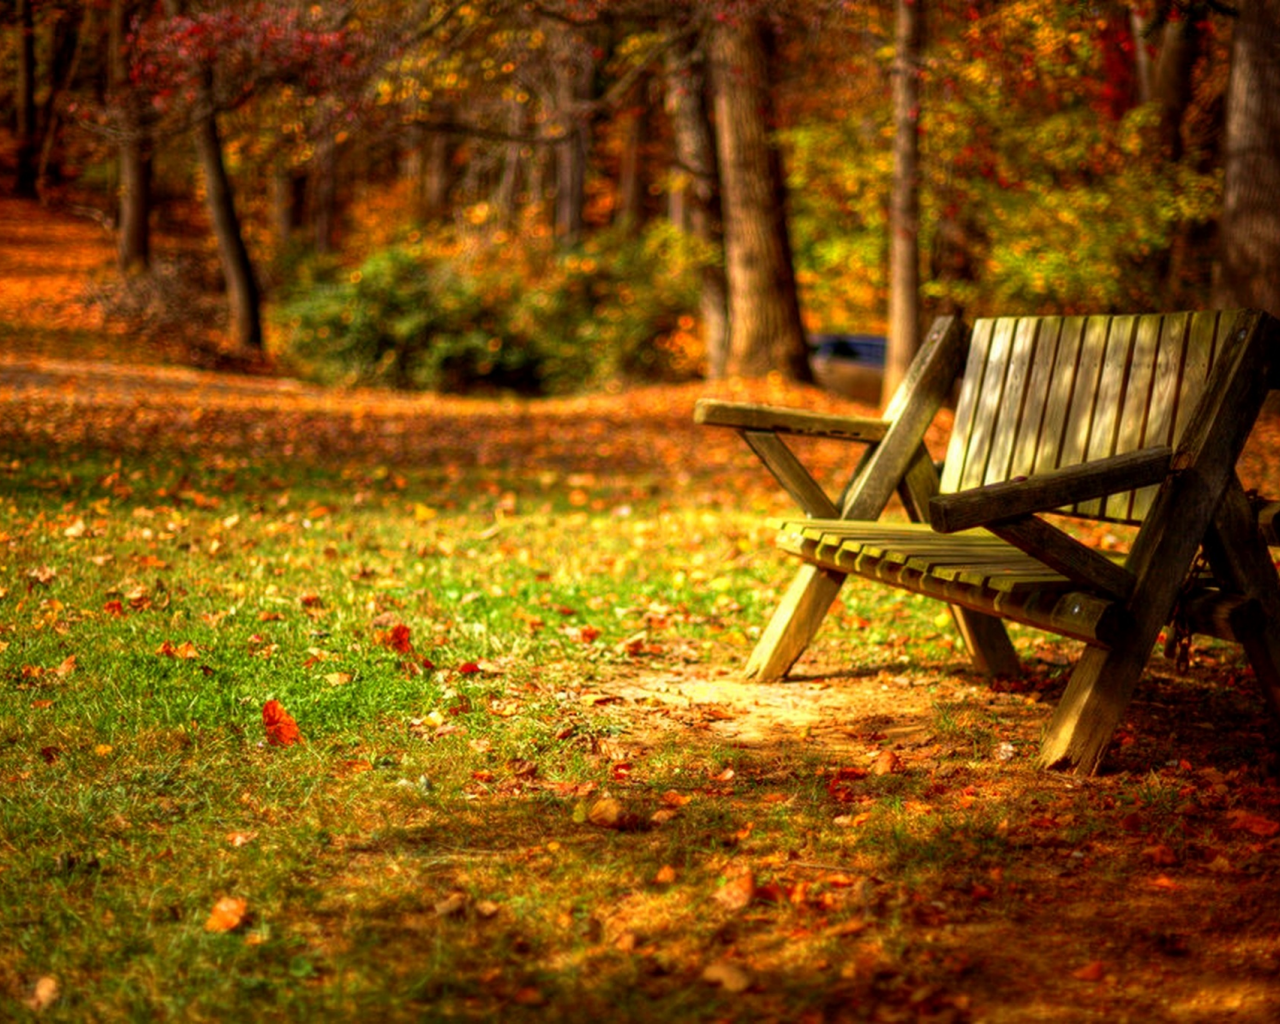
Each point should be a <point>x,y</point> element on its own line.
<point>407,318</point>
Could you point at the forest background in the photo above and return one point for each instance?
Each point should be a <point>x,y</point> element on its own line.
<point>543,196</point>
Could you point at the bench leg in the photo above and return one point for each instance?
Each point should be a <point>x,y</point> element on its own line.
<point>794,623</point>
<point>988,642</point>
<point>1096,698</point>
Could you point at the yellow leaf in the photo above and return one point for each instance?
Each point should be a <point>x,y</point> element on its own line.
<point>228,914</point>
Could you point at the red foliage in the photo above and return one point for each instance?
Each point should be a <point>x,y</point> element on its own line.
<point>282,730</point>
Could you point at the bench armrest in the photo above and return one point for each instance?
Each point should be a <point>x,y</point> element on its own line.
<point>1043,492</point>
<point>745,416</point>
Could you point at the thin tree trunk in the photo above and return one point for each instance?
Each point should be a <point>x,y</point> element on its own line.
<point>695,201</point>
<point>904,201</point>
<point>133,240</point>
<point>1179,49</point>
<point>765,333</point>
<point>237,267</point>
<point>28,135</point>
<point>573,84</point>
<point>1249,274</point>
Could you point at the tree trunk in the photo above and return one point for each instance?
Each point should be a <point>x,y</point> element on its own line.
<point>1249,274</point>
<point>237,267</point>
<point>133,241</point>
<point>904,201</point>
<point>322,196</point>
<point>28,135</point>
<point>695,203</point>
<point>575,74</point>
<point>765,333</point>
<point>1179,49</point>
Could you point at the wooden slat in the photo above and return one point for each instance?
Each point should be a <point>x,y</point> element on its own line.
<point>1165,387</point>
<point>1063,553</point>
<point>745,416</point>
<point>790,473</point>
<point>1114,379</point>
<point>1196,366</point>
<point>967,404</point>
<point>1093,349</point>
<point>984,429</point>
<point>1010,412</point>
<point>1045,492</point>
<point>1030,429</point>
<point>1066,363</point>
<point>1053,606</point>
<point>1137,406</point>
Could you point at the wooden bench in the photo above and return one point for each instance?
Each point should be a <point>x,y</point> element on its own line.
<point>1136,420</point>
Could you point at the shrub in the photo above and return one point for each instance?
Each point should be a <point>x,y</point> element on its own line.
<point>482,321</point>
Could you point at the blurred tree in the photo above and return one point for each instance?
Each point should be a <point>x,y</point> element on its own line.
<point>1250,267</point>
<point>765,332</point>
<point>27,129</point>
<point>904,202</point>
<point>133,129</point>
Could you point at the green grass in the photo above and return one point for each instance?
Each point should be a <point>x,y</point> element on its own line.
<point>428,851</point>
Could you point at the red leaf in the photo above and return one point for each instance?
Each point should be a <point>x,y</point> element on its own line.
<point>282,730</point>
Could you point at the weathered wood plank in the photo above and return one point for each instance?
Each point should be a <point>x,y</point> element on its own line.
<point>1010,411</point>
<point>1044,492</point>
<point>1062,386</point>
<point>1079,422</point>
<point>1165,388</point>
<point>986,422</point>
<point>1031,428</point>
<point>967,404</point>
<point>1063,553</point>
<point>1112,383</point>
<point>745,416</point>
<point>1137,406</point>
<point>790,473</point>
<point>909,414</point>
<point>1103,681</point>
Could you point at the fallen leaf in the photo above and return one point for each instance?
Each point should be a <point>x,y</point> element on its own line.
<point>282,730</point>
<point>737,892</point>
<point>241,838</point>
<point>44,995</point>
<point>228,914</point>
<point>666,875</point>
<point>608,812</point>
<point>1095,970</point>
<point>728,975</point>
<point>888,763</point>
<point>453,904</point>
<point>67,667</point>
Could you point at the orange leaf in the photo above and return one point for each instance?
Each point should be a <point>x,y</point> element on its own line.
<point>67,667</point>
<point>1092,971</point>
<point>228,914</point>
<point>282,730</point>
<point>737,892</point>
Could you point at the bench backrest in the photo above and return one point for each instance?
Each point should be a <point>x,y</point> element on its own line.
<point>1043,392</point>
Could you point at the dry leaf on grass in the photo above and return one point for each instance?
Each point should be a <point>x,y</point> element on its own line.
<point>282,730</point>
<point>228,914</point>
<point>45,994</point>
<point>737,892</point>
<point>728,975</point>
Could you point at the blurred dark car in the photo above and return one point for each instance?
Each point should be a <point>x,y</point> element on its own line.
<point>849,364</point>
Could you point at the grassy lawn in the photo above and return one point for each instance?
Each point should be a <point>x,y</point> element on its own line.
<point>529,783</point>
